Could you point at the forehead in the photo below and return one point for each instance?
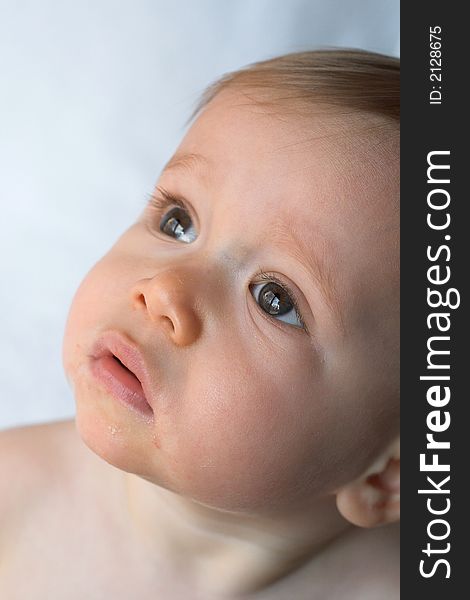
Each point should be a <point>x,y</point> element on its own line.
<point>336,158</point>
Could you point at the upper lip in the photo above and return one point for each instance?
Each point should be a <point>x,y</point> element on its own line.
<point>127,351</point>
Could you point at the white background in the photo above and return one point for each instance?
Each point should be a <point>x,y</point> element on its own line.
<point>93,100</point>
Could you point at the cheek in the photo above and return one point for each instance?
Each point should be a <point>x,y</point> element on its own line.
<point>93,308</point>
<point>78,319</point>
<point>364,397</point>
<point>245,434</point>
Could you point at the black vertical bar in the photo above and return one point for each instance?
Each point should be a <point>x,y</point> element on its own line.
<point>433,120</point>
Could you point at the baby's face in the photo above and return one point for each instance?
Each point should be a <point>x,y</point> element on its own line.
<point>254,406</point>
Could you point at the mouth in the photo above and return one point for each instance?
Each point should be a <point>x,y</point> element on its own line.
<point>120,367</point>
<point>131,378</point>
<point>124,366</point>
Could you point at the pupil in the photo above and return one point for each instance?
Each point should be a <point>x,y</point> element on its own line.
<point>274,300</point>
<point>175,222</point>
<point>174,225</point>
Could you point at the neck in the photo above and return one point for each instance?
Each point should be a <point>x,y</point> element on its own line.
<point>223,552</point>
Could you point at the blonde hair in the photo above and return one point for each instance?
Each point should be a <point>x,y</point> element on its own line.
<point>356,80</point>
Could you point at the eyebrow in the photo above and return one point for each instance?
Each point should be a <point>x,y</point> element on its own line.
<point>188,162</point>
<point>283,235</point>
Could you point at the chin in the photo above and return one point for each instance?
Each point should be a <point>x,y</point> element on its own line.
<point>117,437</point>
<point>103,436</point>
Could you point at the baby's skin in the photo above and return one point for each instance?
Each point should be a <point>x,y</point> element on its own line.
<point>264,302</point>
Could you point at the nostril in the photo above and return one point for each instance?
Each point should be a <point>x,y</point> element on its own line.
<point>169,323</point>
<point>138,300</point>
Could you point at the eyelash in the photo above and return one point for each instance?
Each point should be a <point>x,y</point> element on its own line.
<point>166,199</point>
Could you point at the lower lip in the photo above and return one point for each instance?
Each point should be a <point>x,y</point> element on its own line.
<point>124,386</point>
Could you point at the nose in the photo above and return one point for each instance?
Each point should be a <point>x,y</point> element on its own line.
<point>168,299</point>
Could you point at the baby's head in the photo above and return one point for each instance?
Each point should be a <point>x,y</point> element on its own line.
<point>261,286</point>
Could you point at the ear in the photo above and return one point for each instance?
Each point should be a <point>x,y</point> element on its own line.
<point>374,498</point>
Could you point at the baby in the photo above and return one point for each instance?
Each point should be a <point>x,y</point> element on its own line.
<point>235,363</point>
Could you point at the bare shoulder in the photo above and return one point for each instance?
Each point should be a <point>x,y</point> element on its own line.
<point>369,560</point>
<point>33,441</point>
<point>60,514</point>
<point>363,564</point>
<point>33,457</point>
<point>15,440</point>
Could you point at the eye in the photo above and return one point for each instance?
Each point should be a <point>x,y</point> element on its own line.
<point>275,299</point>
<point>175,222</point>
<point>178,224</point>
